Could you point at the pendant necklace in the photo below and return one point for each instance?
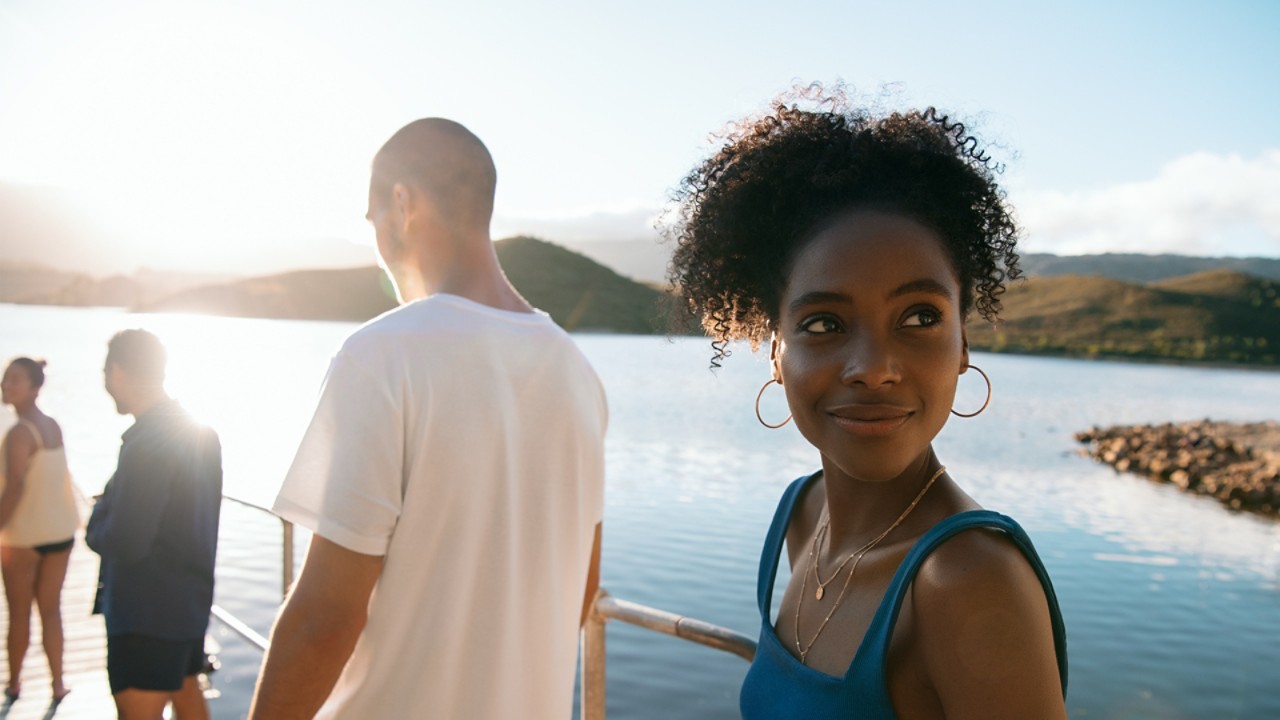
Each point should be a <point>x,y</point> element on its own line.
<point>856,556</point>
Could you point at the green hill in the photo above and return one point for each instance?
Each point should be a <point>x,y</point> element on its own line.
<point>1135,267</point>
<point>1254,291</point>
<point>1215,316</point>
<point>354,294</point>
<point>575,291</point>
<point>579,293</point>
<point>33,284</point>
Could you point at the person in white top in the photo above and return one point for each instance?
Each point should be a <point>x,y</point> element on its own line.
<point>38,522</point>
<point>452,476</point>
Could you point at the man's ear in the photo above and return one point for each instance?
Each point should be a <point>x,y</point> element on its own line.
<point>415,208</point>
<point>401,198</point>
<point>775,347</point>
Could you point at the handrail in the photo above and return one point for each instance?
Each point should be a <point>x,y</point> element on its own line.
<point>606,607</point>
<point>244,631</point>
<point>703,633</point>
<point>286,578</point>
<point>286,574</point>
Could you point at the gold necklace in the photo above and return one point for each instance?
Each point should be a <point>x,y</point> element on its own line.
<point>857,555</point>
<point>815,550</point>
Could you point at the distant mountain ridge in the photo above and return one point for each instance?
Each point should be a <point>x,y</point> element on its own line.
<point>1132,267</point>
<point>1216,316</point>
<point>578,293</point>
<point>32,284</point>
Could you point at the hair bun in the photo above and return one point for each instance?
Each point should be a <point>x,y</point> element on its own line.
<point>42,363</point>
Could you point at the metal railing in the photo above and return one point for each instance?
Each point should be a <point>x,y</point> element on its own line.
<point>286,580</point>
<point>286,574</point>
<point>604,608</point>
<point>239,628</point>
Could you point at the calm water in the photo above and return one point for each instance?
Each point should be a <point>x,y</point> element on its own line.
<point>1172,604</point>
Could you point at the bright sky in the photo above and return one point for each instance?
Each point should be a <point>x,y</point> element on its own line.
<point>236,136</point>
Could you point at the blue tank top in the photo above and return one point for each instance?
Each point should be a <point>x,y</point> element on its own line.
<point>780,686</point>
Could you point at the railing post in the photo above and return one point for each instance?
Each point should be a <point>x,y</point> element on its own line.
<point>287,572</point>
<point>591,704</point>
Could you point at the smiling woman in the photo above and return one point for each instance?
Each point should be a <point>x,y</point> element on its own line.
<point>857,245</point>
<point>871,337</point>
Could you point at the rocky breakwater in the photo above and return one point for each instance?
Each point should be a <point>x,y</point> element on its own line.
<point>1239,464</point>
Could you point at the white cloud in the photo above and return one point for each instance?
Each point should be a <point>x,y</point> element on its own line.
<point>1199,204</point>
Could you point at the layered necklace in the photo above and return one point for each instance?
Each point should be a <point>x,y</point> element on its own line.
<point>856,556</point>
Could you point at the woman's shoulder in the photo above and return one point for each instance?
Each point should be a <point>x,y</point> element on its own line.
<point>810,500</point>
<point>975,562</point>
<point>983,622</point>
<point>979,580</point>
<point>42,433</point>
<point>20,436</point>
<point>52,433</point>
<point>805,514</point>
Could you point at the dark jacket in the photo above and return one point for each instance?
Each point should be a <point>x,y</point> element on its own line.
<point>156,528</point>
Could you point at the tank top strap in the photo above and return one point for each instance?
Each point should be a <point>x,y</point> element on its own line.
<point>31,427</point>
<point>773,542</point>
<point>875,646</point>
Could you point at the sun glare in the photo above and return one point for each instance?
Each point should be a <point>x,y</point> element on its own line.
<point>228,374</point>
<point>212,136</point>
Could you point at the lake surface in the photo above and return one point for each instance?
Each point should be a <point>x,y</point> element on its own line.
<point>1172,603</point>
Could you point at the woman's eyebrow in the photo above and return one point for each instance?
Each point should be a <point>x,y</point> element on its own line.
<point>817,297</point>
<point>923,285</point>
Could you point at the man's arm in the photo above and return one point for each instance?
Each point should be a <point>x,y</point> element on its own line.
<point>593,578</point>
<point>126,521</point>
<point>316,631</point>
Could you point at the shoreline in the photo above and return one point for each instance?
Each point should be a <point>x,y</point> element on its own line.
<point>1135,359</point>
<point>1236,463</point>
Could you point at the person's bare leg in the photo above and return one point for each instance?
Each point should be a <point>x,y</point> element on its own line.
<point>133,704</point>
<point>50,574</point>
<point>189,702</point>
<point>19,568</point>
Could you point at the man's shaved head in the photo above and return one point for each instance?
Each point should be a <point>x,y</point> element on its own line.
<point>446,162</point>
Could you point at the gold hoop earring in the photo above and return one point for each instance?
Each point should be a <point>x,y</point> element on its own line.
<point>985,403</point>
<point>761,419</point>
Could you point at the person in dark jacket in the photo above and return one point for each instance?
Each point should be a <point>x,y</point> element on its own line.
<point>156,528</point>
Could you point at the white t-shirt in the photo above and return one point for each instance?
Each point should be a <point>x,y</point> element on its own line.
<point>466,444</point>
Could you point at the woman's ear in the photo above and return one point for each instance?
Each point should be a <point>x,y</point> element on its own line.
<point>964,353</point>
<point>775,347</point>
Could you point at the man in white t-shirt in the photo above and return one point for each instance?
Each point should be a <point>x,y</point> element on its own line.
<point>452,476</point>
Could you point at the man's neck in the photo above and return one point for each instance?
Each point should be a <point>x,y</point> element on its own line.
<point>471,270</point>
<point>146,403</point>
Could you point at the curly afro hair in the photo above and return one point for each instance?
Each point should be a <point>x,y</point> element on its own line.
<point>741,217</point>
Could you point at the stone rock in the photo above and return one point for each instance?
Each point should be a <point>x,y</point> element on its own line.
<point>1239,464</point>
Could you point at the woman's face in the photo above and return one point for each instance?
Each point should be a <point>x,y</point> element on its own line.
<point>16,387</point>
<point>870,343</point>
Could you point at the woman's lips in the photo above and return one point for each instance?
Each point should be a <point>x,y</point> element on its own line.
<point>870,420</point>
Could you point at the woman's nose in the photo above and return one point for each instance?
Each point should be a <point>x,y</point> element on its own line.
<point>870,362</point>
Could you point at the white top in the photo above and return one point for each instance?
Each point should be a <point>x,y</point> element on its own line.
<point>466,444</point>
<point>47,512</point>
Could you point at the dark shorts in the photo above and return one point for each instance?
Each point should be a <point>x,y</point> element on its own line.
<point>54,547</point>
<point>139,662</point>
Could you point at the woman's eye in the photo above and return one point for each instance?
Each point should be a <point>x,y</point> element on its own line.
<point>819,325</point>
<point>922,318</point>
